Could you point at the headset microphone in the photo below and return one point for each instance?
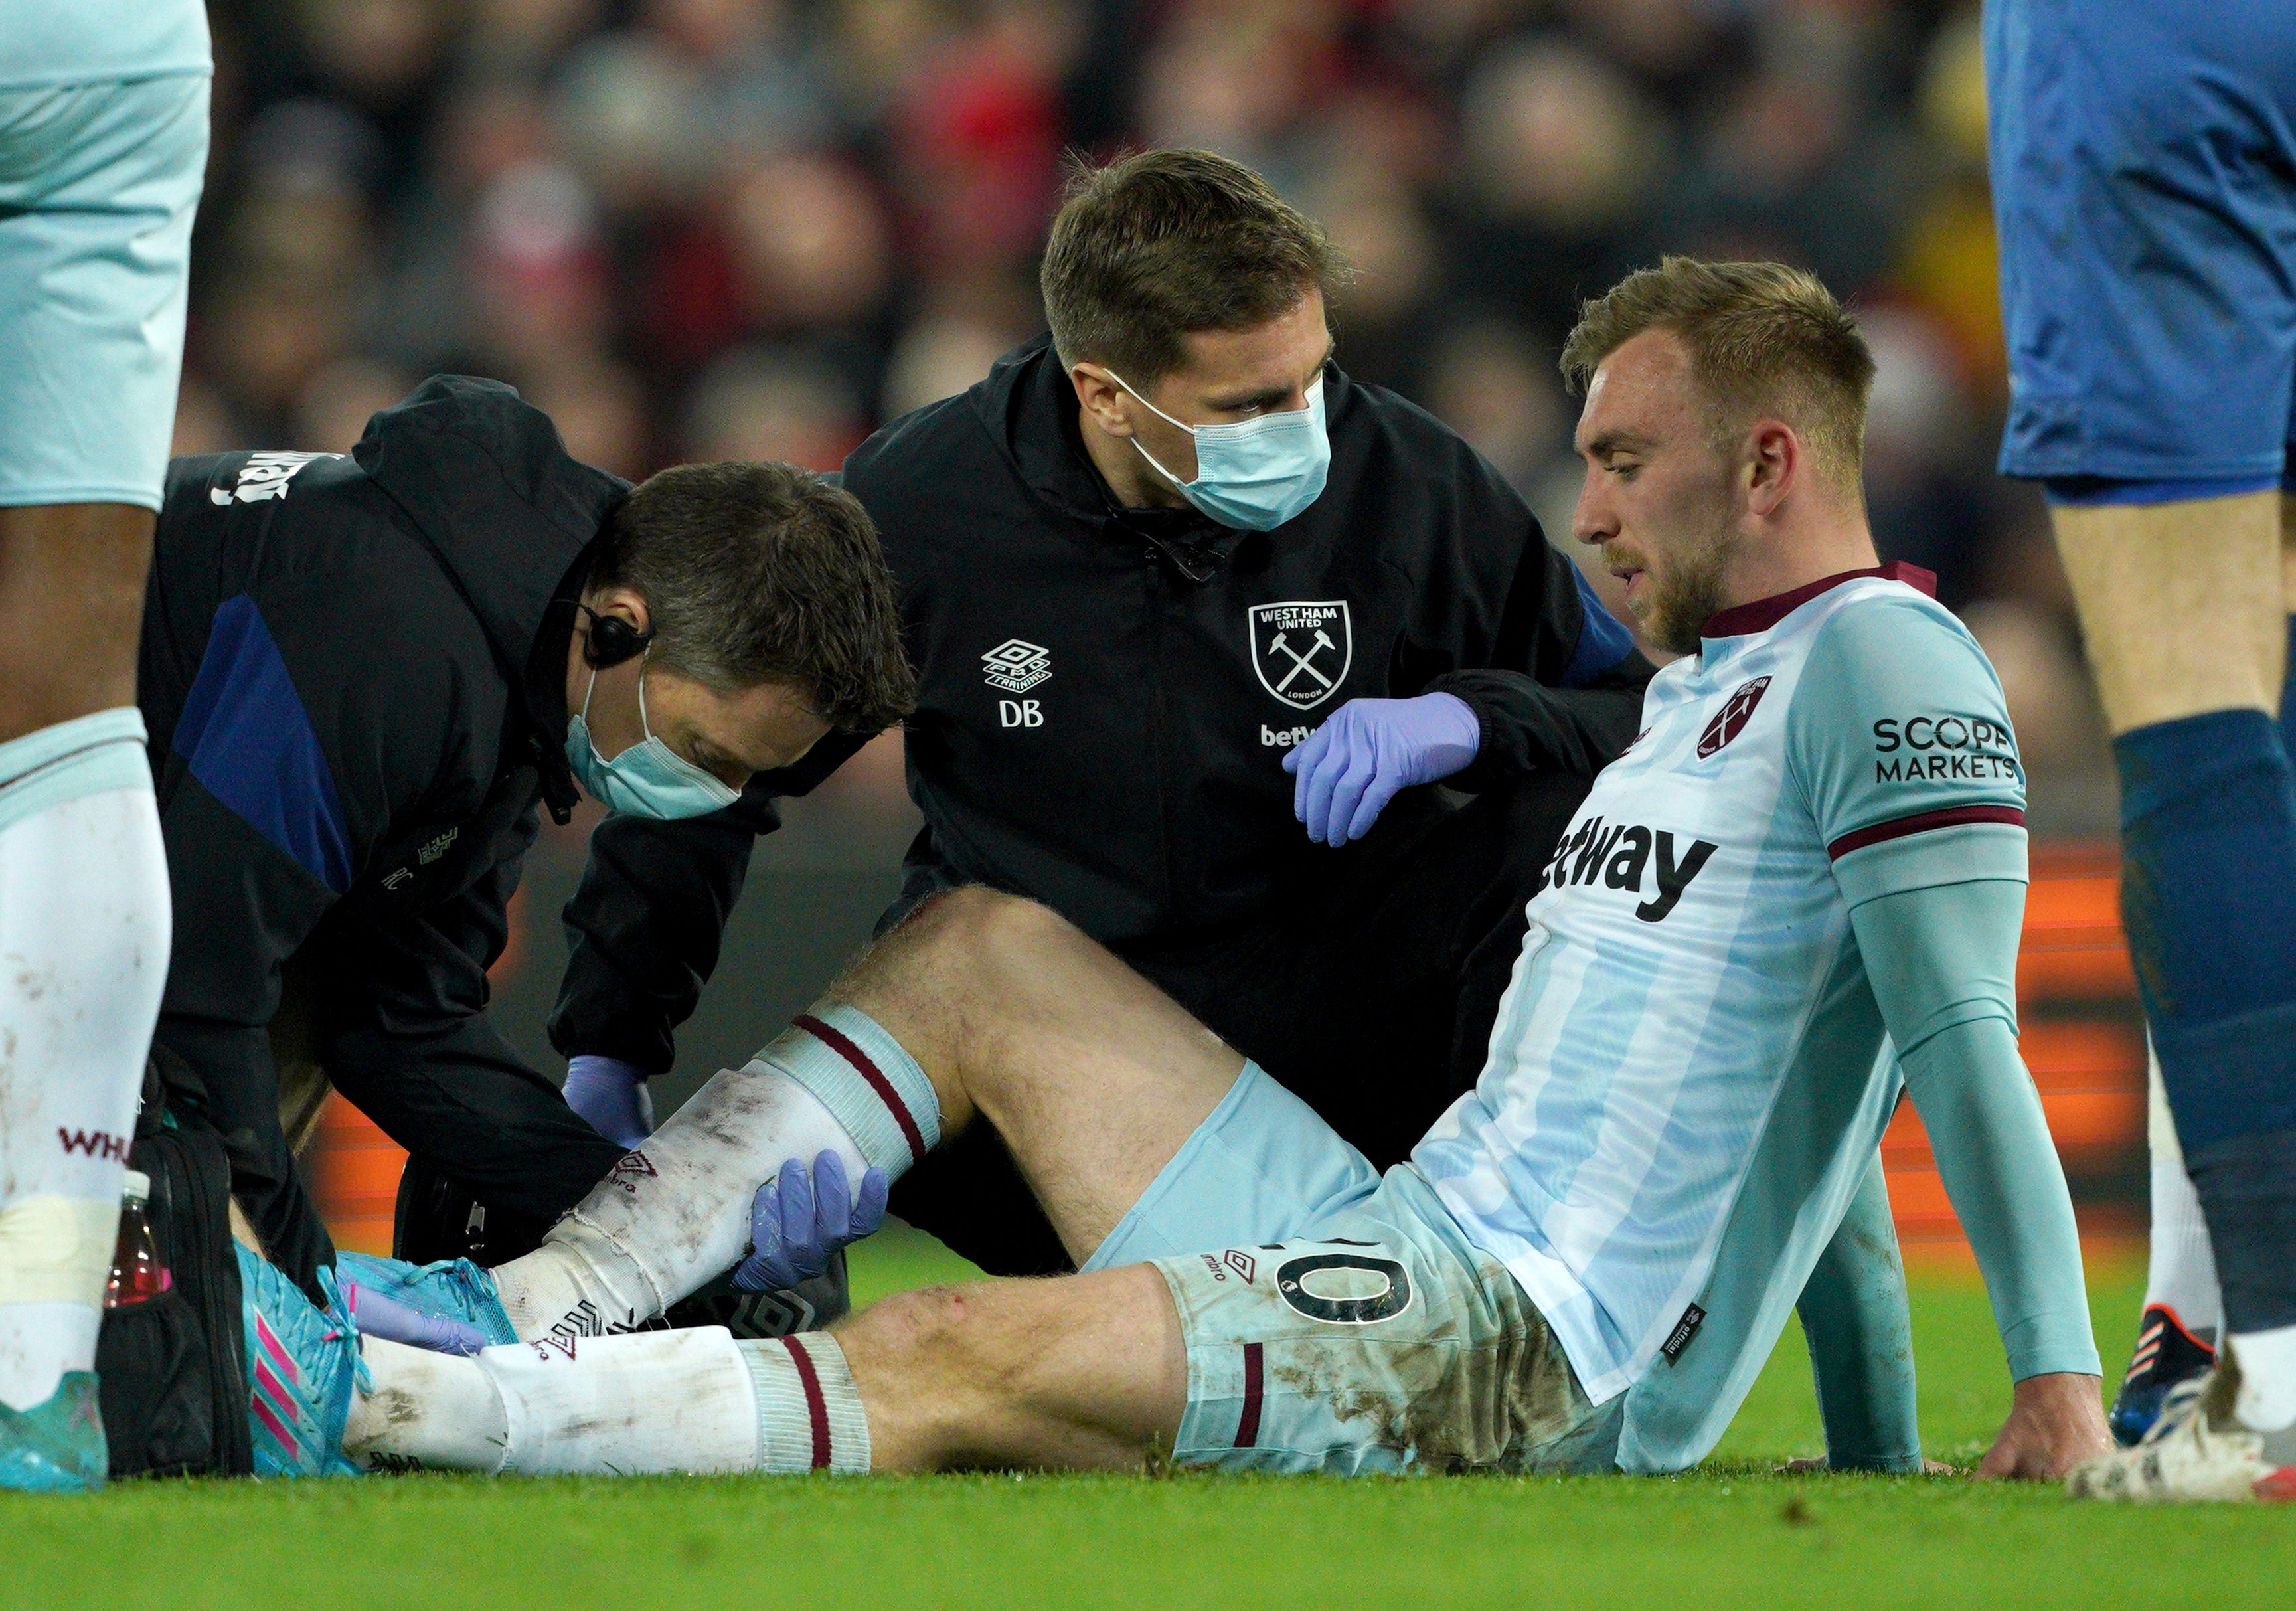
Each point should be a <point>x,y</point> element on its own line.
<point>611,640</point>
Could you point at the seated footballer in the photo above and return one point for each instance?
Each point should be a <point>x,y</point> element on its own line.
<point>1799,888</point>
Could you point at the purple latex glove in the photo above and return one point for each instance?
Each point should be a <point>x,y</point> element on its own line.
<point>612,1096</point>
<point>801,1217</point>
<point>396,1322</point>
<point>1352,766</point>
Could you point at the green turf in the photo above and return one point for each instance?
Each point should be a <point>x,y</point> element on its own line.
<point>1730,1534</point>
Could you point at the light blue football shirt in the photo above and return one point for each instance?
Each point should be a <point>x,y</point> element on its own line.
<point>1690,996</point>
<point>47,42</point>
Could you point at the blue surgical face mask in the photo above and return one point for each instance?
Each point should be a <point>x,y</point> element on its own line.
<point>1254,473</point>
<point>649,778</point>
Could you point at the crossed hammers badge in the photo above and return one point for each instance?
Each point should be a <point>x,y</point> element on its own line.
<point>1301,650</point>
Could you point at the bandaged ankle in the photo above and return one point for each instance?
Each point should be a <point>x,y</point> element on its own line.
<point>55,1255</point>
<point>674,1215</point>
<point>809,1415</point>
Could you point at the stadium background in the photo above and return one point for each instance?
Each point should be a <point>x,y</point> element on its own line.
<point>758,228</point>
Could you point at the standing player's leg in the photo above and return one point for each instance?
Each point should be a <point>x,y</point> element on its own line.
<point>2148,226</point>
<point>98,183</point>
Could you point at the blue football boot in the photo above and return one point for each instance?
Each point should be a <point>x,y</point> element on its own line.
<point>56,1446</point>
<point>302,1366</point>
<point>2167,1355</point>
<point>453,1289</point>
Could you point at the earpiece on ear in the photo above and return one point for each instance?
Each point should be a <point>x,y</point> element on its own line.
<point>611,640</point>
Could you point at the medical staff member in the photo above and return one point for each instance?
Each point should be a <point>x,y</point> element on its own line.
<point>1195,616</point>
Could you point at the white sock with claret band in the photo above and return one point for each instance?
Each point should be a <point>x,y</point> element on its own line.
<point>652,1401</point>
<point>674,1215</point>
<point>84,919</point>
<point>809,1416</point>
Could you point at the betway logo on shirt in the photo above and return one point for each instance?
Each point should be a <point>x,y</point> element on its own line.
<point>1618,857</point>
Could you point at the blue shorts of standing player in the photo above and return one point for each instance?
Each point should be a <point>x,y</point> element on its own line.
<point>2143,166</point>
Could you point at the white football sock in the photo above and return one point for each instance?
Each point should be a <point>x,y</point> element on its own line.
<point>425,1410</point>
<point>2266,1402</point>
<point>674,1215</point>
<point>84,921</point>
<point>651,1402</point>
<point>2182,1274</point>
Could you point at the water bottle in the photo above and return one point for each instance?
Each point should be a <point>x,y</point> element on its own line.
<point>137,1275</point>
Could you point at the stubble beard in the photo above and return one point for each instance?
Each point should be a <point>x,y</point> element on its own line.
<point>1690,593</point>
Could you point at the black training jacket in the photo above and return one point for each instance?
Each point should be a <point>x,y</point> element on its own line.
<point>353,677</point>
<point>1106,696</point>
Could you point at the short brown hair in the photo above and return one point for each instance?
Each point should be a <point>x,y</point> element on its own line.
<point>763,573</point>
<point>1763,338</point>
<point>1155,245</point>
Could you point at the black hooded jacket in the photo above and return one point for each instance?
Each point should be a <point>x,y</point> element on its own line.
<point>353,673</point>
<point>1106,695</point>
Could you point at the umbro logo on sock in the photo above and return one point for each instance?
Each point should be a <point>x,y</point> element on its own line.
<point>95,1142</point>
<point>632,1168</point>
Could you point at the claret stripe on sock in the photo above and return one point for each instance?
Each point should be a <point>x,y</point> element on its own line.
<point>842,1045</point>
<point>816,1408</point>
<point>1953,818</point>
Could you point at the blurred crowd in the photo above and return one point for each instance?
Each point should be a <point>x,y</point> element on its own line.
<point>760,228</point>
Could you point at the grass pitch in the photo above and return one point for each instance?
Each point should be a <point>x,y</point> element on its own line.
<point>1729,1534</point>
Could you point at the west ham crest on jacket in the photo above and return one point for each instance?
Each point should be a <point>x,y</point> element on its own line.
<point>1301,650</point>
<point>1731,719</point>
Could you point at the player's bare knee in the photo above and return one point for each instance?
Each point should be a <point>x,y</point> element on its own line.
<point>1008,940</point>
<point>936,1329</point>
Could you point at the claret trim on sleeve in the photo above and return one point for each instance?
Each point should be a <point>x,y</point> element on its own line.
<point>1952,817</point>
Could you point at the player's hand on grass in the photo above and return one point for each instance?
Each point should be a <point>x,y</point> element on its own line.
<point>1349,768</point>
<point>801,1217</point>
<point>2056,1420</point>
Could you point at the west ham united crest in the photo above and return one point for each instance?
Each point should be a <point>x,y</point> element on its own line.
<point>1731,719</point>
<point>1302,650</point>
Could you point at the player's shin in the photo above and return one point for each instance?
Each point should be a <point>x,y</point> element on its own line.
<point>676,1214</point>
<point>84,927</point>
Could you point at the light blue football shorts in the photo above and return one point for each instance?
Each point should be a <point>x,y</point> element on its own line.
<point>98,183</point>
<point>1340,1321</point>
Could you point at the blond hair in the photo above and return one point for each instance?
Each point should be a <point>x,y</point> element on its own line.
<point>1764,339</point>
